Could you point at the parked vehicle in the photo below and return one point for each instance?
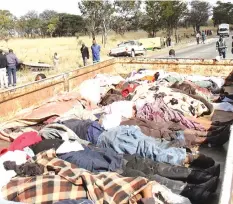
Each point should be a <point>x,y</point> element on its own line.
<point>224,29</point>
<point>152,43</point>
<point>128,48</point>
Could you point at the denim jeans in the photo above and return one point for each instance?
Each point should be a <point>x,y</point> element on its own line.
<point>130,140</point>
<point>11,71</point>
<point>222,53</point>
<point>96,59</point>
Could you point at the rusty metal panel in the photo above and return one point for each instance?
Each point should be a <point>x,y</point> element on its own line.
<point>184,66</point>
<point>22,97</point>
<point>34,93</point>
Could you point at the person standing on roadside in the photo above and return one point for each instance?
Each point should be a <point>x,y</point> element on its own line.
<point>12,63</point>
<point>221,47</point>
<point>203,36</point>
<point>3,65</point>
<point>95,52</point>
<point>169,41</point>
<point>55,60</point>
<point>198,37</point>
<point>85,54</point>
<point>164,41</point>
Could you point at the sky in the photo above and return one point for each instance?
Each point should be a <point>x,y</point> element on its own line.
<point>20,7</point>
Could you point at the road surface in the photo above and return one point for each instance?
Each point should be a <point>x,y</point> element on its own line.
<point>205,51</point>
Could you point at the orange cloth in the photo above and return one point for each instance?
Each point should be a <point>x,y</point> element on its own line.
<point>148,78</point>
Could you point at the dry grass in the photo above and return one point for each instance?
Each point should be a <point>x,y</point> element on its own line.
<point>68,48</point>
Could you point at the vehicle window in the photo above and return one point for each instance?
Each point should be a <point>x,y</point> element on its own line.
<point>132,43</point>
<point>122,44</point>
<point>223,29</point>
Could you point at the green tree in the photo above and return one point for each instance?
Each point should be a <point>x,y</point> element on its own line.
<point>92,12</point>
<point>31,23</point>
<point>49,20</point>
<point>222,13</point>
<point>6,23</point>
<point>171,13</point>
<point>199,14</point>
<point>152,17</point>
<point>106,19</point>
<point>128,15</point>
<point>68,25</point>
<point>51,28</point>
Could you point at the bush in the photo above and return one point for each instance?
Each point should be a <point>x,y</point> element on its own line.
<point>77,35</point>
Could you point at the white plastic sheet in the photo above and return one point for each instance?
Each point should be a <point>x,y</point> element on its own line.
<point>90,90</point>
<point>111,120</point>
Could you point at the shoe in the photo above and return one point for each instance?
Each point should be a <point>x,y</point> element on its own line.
<point>202,161</point>
<point>200,193</point>
<point>221,138</point>
<point>214,170</point>
<point>218,123</point>
<point>210,185</point>
<point>200,176</point>
<point>14,84</point>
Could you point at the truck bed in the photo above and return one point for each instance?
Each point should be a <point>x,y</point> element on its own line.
<point>13,100</point>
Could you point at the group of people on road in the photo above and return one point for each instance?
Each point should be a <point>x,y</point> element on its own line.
<point>220,44</point>
<point>202,36</point>
<point>95,48</point>
<point>8,66</point>
<point>167,41</point>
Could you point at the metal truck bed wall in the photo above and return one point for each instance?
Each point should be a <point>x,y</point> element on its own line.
<point>34,93</point>
<point>13,100</point>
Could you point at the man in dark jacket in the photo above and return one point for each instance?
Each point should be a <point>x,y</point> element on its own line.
<point>12,63</point>
<point>85,54</point>
<point>3,64</point>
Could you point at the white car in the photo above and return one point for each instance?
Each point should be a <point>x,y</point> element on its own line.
<point>128,48</point>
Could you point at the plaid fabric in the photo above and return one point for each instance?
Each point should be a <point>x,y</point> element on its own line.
<point>70,182</point>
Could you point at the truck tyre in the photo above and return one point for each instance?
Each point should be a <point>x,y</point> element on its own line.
<point>132,53</point>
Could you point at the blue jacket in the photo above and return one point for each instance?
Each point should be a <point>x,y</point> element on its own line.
<point>95,52</point>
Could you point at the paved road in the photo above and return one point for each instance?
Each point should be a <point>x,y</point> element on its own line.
<point>206,51</point>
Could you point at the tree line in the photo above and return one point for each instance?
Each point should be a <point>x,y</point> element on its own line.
<point>100,17</point>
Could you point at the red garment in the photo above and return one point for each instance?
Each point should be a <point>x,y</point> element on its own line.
<point>25,140</point>
<point>128,90</point>
<point>3,151</point>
